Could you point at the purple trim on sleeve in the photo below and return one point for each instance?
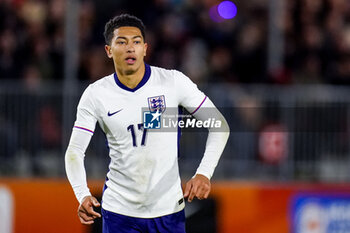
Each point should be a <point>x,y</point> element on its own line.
<point>198,106</point>
<point>84,129</point>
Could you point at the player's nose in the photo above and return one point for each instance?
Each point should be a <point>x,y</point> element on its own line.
<point>130,48</point>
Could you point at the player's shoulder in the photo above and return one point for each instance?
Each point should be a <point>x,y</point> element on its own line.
<point>96,88</point>
<point>164,73</point>
<point>102,82</point>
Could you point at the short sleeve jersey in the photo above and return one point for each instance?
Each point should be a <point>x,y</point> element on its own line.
<point>143,178</point>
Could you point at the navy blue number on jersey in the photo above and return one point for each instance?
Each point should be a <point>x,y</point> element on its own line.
<point>131,128</point>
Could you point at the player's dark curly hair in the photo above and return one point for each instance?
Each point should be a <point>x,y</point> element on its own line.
<point>123,20</point>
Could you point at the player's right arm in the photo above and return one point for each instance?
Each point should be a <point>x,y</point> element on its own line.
<point>74,158</point>
<point>75,170</point>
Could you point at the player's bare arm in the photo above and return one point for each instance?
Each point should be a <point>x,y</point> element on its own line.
<point>86,211</point>
<point>199,187</point>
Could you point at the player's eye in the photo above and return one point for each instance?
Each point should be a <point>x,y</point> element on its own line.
<point>120,42</point>
<point>137,42</point>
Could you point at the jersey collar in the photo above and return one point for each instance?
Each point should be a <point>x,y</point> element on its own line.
<point>143,81</point>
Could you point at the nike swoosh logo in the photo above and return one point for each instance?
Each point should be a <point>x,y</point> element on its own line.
<point>111,114</point>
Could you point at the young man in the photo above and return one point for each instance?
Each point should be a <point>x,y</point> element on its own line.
<point>143,191</point>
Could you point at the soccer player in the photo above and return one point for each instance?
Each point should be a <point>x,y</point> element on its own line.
<point>143,190</point>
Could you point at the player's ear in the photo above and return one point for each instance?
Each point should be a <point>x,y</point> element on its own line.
<point>145,49</point>
<point>108,50</point>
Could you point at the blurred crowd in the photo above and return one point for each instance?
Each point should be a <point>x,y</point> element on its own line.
<point>182,35</point>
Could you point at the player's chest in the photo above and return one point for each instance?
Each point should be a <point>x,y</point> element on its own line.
<point>120,110</point>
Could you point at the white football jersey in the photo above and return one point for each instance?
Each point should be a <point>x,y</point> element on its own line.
<point>143,178</point>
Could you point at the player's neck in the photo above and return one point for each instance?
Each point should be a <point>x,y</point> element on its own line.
<point>131,80</point>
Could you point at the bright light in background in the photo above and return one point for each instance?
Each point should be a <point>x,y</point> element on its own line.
<point>223,11</point>
<point>227,9</point>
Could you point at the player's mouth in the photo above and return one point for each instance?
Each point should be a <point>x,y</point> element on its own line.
<point>130,60</point>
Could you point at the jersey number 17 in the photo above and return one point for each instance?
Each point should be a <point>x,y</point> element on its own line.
<point>140,127</point>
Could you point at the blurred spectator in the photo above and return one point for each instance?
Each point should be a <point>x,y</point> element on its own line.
<point>251,54</point>
<point>8,62</point>
<point>195,64</point>
<point>94,64</point>
<point>32,78</point>
<point>49,128</point>
<point>220,64</point>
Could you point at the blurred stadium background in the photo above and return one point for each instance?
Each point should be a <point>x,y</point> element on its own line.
<point>279,69</point>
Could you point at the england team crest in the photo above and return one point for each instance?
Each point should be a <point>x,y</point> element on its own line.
<point>156,104</point>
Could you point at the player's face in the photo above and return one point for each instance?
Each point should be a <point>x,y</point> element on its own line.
<point>127,49</point>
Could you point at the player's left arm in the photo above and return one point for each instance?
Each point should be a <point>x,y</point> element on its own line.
<point>199,186</point>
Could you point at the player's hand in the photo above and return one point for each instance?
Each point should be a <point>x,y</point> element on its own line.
<point>198,187</point>
<point>86,211</point>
